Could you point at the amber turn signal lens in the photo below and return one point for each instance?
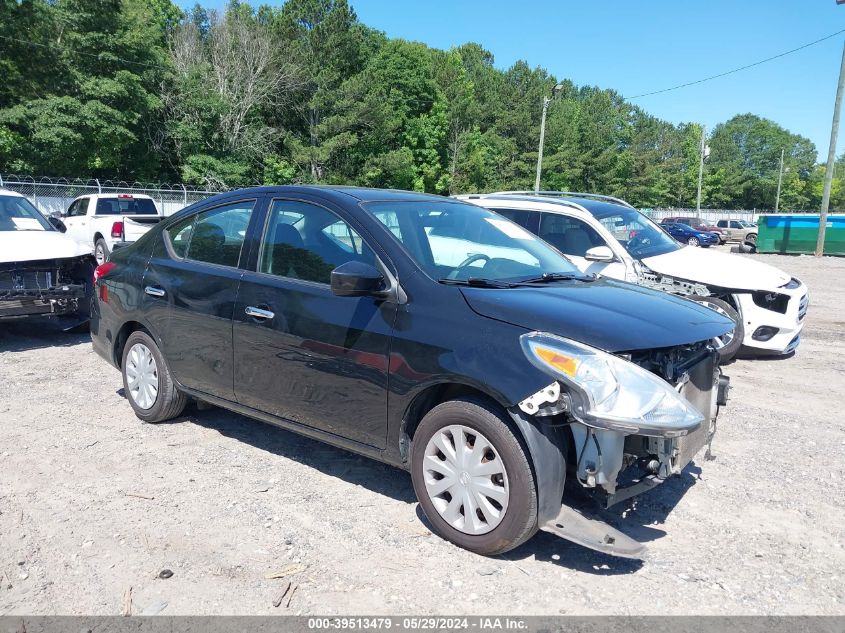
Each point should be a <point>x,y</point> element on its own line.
<point>555,359</point>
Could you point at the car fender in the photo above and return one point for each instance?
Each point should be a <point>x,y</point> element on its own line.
<point>548,446</point>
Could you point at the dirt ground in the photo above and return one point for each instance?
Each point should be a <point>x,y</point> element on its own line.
<point>94,505</point>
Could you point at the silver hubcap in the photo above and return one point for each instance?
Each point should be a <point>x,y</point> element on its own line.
<point>466,479</point>
<point>99,254</point>
<point>721,341</point>
<point>142,376</point>
<point>693,241</point>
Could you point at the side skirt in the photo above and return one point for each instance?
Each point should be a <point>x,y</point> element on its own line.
<point>295,427</point>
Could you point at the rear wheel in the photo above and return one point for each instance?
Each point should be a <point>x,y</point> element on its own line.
<point>147,381</point>
<point>728,344</point>
<point>473,479</point>
<point>101,251</point>
<point>692,241</point>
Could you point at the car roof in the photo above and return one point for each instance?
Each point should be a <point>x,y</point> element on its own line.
<point>343,192</point>
<point>572,204</point>
<point>13,194</point>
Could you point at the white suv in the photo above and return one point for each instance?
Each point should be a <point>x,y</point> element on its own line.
<point>608,236</point>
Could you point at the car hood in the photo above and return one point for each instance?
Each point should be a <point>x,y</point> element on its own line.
<point>717,269</point>
<point>22,246</point>
<point>612,315</point>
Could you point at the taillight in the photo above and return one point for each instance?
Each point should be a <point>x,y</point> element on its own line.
<point>102,270</point>
<point>117,229</point>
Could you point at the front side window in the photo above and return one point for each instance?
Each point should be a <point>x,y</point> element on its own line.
<point>19,214</point>
<point>454,240</point>
<point>215,236</point>
<point>569,235</point>
<point>78,208</point>
<point>304,241</point>
<point>637,233</point>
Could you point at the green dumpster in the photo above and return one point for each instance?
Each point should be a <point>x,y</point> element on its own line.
<point>798,234</point>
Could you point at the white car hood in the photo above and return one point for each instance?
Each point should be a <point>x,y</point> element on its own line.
<point>22,246</point>
<point>717,269</point>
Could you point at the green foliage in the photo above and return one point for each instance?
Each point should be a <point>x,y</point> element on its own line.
<point>307,93</point>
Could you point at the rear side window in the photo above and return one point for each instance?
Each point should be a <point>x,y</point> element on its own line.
<point>180,235</point>
<point>215,236</point>
<point>126,206</point>
<point>526,219</point>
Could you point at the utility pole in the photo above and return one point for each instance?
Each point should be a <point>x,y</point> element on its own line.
<point>700,170</point>
<point>780,180</point>
<point>831,157</point>
<point>546,102</point>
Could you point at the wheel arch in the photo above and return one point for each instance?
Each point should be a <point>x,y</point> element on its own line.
<point>430,397</point>
<point>122,336</point>
<point>548,446</point>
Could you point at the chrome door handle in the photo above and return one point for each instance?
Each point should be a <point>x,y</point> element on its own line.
<point>258,313</point>
<point>154,292</point>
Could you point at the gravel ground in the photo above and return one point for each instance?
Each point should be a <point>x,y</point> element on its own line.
<point>94,505</point>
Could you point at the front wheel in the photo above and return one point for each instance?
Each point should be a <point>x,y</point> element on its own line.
<point>101,251</point>
<point>693,241</point>
<point>147,382</point>
<point>473,479</point>
<point>728,344</point>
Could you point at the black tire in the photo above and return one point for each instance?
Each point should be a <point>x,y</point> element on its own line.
<point>169,401</point>
<point>519,522</point>
<point>751,238</point>
<point>729,350</point>
<point>100,244</point>
<point>693,241</point>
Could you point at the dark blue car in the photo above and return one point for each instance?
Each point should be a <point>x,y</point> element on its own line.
<point>688,235</point>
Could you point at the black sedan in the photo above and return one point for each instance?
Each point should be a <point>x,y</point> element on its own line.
<point>418,330</point>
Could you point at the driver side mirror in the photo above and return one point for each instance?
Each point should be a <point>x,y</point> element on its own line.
<point>356,279</point>
<point>57,224</point>
<point>600,254</point>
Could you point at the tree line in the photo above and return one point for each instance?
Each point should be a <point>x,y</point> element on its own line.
<point>307,93</point>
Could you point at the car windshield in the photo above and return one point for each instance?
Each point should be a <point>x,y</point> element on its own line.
<point>456,241</point>
<point>19,214</point>
<point>637,233</point>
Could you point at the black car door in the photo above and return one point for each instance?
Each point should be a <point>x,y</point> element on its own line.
<point>302,353</point>
<point>190,287</point>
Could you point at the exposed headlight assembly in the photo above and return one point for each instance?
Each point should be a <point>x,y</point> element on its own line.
<point>610,392</point>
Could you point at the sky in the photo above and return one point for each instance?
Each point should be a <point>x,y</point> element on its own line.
<point>639,47</point>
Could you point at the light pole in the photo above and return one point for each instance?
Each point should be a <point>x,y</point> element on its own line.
<point>780,180</point>
<point>705,152</point>
<point>546,102</point>
<point>831,157</point>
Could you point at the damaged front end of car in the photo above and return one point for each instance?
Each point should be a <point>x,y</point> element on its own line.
<point>47,287</point>
<point>618,423</point>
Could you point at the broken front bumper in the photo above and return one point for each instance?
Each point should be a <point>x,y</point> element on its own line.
<point>39,289</point>
<point>613,465</point>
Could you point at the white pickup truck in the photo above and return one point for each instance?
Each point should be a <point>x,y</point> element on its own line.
<point>106,221</point>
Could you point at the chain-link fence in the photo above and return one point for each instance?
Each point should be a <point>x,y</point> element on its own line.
<point>711,215</point>
<point>54,195</point>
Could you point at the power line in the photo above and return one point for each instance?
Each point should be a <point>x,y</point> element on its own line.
<point>736,70</point>
<point>94,55</point>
